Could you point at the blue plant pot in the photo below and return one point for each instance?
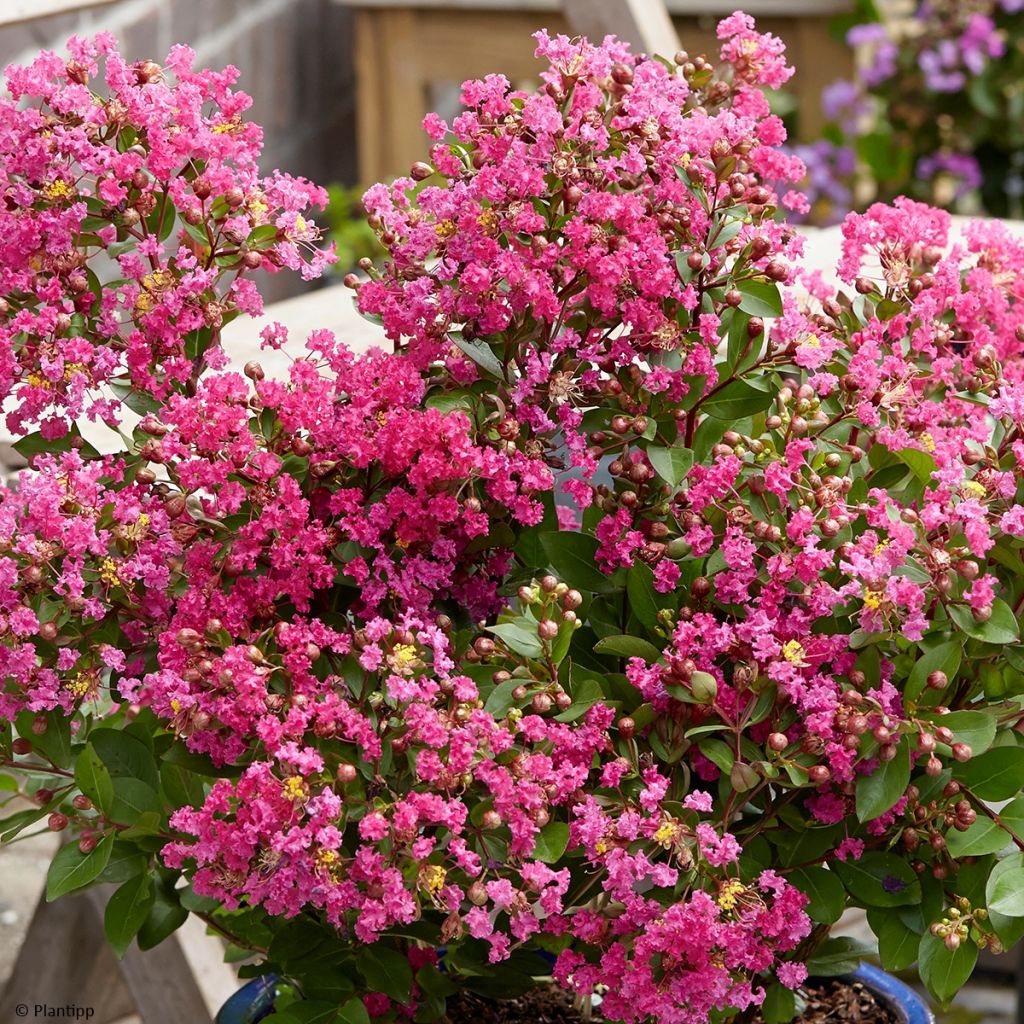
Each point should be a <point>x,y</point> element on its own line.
<point>252,1002</point>
<point>892,993</point>
<point>255,1000</point>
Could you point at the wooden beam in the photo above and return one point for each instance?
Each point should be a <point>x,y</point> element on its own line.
<point>13,11</point>
<point>65,961</point>
<point>644,24</point>
<point>687,8</point>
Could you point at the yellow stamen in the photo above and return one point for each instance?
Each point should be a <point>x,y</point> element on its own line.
<point>793,651</point>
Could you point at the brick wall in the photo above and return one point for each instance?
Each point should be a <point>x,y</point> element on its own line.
<point>294,56</point>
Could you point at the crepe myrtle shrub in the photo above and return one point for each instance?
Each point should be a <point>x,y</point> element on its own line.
<point>647,606</point>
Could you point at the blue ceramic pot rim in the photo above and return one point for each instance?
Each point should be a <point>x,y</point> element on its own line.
<point>255,1000</point>
<point>909,1007</point>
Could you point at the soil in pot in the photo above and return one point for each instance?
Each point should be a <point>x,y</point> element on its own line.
<point>831,1001</point>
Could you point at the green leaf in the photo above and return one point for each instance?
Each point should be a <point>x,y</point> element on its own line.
<point>839,955</point>
<point>760,298</point>
<point>643,598</point>
<point>500,698</point>
<point>824,890</point>
<point>921,464</point>
<point>879,880</point>
<point>71,869</point>
<point>1009,929</point>
<point>897,942</point>
<point>1000,628</point>
<point>126,861</point>
<point>998,774</point>
<point>353,1012</point>
<point>126,911</point>
<point>944,658</point>
<point>551,842</point>
<point>262,237</point>
<point>671,464</point>
<point>985,836</point>
<point>880,790</point>
<point>982,838</point>
<point>573,556</point>
<point>181,787</point>
<point>518,638</point>
<point>945,971</point>
<point>132,799</point>
<point>481,353</point>
<point>55,742</point>
<point>125,756</point>
<point>166,916</point>
<point>93,779</point>
<point>779,1006</point>
<point>737,399</point>
<point>1006,896</point>
<point>625,646</point>
<point>386,970</point>
<point>975,728</point>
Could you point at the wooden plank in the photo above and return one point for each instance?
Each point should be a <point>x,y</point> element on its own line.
<point>690,8</point>
<point>644,24</point>
<point>13,11</point>
<point>65,960</point>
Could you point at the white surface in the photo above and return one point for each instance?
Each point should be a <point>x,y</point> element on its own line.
<point>12,11</point>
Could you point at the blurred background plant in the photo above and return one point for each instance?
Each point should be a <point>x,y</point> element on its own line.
<point>935,110</point>
<point>348,229</point>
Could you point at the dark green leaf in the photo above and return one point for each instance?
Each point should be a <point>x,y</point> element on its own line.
<point>628,647</point>
<point>125,756</point>
<point>93,779</point>
<point>481,353</point>
<point>386,970</point>
<point>71,869</point>
<point>897,942</point>
<point>519,638</point>
<point>838,955</point>
<point>1000,628</point>
<point>943,658</point>
<point>880,790</point>
<point>573,556</point>
<point>825,891</point>
<point>353,1012</point>
<point>126,911</point>
<point>671,464</point>
<point>760,298</point>
<point>945,971</point>
<point>737,399</point>
<point>998,774</point>
<point>551,842</point>
<point>165,917</point>
<point>879,880</point>
<point>779,1006</point>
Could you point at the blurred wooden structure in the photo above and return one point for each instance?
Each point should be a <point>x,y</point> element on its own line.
<point>408,52</point>
<point>14,11</point>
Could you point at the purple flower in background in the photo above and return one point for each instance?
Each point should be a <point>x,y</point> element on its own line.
<point>957,165</point>
<point>944,66</point>
<point>980,42</point>
<point>829,170</point>
<point>1012,6</point>
<point>883,56</point>
<point>845,104</point>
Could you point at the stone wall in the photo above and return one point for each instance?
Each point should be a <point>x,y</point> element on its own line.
<point>294,56</point>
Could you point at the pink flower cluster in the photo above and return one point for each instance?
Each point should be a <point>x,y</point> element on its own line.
<point>134,219</point>
<point>562,626</point>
